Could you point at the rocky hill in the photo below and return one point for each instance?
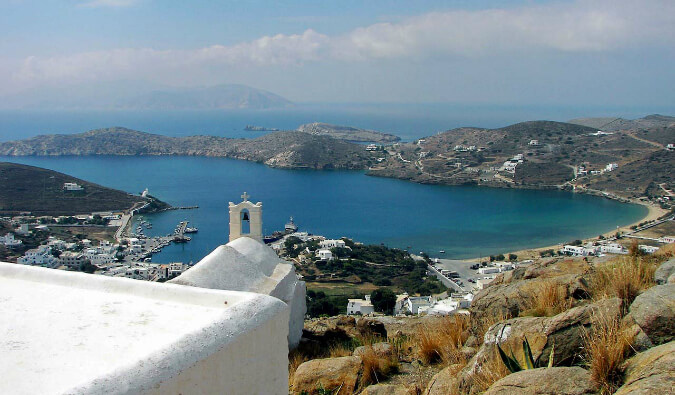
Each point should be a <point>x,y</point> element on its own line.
<point>536,154</point>
<point>281,149</point>
<point>40,191</point>
<point>347,133</point>
<point>615,124</point>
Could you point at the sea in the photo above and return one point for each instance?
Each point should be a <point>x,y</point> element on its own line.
<point>462,221</point>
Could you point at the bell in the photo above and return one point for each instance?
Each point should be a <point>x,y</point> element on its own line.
<point>245,218</point>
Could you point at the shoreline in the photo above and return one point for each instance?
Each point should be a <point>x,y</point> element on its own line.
<point>653,213</point>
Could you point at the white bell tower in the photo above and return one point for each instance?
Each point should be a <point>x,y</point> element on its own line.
<point>246,219</point>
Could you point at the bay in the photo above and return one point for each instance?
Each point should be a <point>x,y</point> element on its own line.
<point>464,221</point>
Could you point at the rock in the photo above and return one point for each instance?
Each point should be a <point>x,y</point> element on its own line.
<point>382,350</point>
<point>563,333</point>
<point>385,389</point>
<point>331,329</point>
<point>671,279</point>
<point>507,296</point>
<point>471,341</point>
<point>545,381</point>
<point>444,382</point>
<point>641,341</point>
<point>664,272</point>
<point>468,352</point>
<point>329,374</point>
<point>369,327</point>
<point>650,372</point>
<point>654,311</point>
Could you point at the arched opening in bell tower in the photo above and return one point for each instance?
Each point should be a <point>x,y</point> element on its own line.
<point>245,222</point>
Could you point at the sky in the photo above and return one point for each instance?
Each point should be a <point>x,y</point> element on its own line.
<point>584,52</point>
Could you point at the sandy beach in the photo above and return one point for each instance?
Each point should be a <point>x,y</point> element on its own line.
<point>654,212</point>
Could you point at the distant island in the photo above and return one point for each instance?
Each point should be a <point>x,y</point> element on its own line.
<point>45,192</point>
<point>347,133</point>
<point>219,97</point>
<point>628,163</point>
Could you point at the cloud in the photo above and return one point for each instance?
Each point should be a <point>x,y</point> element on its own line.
<point>109,3</point>
<point>578,27</point>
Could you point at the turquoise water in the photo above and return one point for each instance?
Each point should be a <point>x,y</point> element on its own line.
<point>463,221</point>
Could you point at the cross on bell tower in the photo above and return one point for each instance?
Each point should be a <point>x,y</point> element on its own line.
<point>246,219</point>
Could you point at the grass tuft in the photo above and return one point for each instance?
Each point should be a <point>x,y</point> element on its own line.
<point>551,298</point>
<point>375,368</point>
<point>442,340</point>
<point>606,346</point>
<point>623,278</point>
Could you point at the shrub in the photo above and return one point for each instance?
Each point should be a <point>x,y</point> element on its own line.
<point>623,278</point>
<point>376,368</point>
<point>550,299</point>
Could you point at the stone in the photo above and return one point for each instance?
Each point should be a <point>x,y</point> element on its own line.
<point>444,382</point>
<point>341,373</point>
<point>370,327</point>
<point>664,272</point>
<point>331,329</point>
<point>385,389</point>
<point>382,350</point>
<point>545,381</point>
<point>654,311</point>
<point>650,372</point>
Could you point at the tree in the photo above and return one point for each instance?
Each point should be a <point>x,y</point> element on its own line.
<point>383,300</point>
<point>513,257</point>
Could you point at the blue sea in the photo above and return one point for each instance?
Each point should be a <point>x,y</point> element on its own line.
<point>464,221</point>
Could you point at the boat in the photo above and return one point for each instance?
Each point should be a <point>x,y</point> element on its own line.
<point>291,226</point>
<point>191,230</point>
<point>441,252</point>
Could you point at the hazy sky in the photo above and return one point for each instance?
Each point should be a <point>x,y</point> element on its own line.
<point>610,52</point>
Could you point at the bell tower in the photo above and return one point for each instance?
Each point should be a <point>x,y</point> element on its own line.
<point>246,219</point>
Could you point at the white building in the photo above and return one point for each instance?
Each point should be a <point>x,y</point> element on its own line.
<point>611,167</point>
<point>488,270</point>
<point>670,147</point>
<point>72,259</point>
<point>450,305</point>
<point>72,186</point>
<point>22,230</point>
<point>613,248</point>
<point>648,249</point>
<point>533,142</point>
<point>332,244</point>
<point>415,305</point>
<point>9,241</point>
<point>580,251</point>
<point>483,282</point>
<point>324,255</point>
<point>39,256</point>
<point>97,257</point>
<point>667,239</point>
<point>360,306</point>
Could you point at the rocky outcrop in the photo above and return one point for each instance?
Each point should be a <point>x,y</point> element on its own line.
<point>371,327</point>
<point>650,372</point>
<point>545,381</point>
<point>444,382</point>
<point>347,133</point>
<point>385,389</point>
<point>340,375</point>
<point>331,329</point>
<point>664,272</point>
<point>514,292</point>
<point>563,332</point>
<point>654,312</point>
<point>381,350</point>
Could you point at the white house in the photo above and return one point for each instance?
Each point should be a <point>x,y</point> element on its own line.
<point>488,270</point>
<point>412,304</point>
<point>9,241</point>
<point>611,167</point>
<point>324,255</point>
<point>450,305</point>
<point>360,306</point>
<point>613,248</point>
<point>533,142</point>
<point>72,186</point>
<point>38,256</point>
<point>579,250</point>
<point>670,147</point>
<point>72,259</point>
<point>667,239</point>
<point>332,244</point>
<point>97,257</point>
<point>648,249</point>
<point>22,230</point>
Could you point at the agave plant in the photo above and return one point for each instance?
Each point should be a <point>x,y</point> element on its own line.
<point>512,363</point>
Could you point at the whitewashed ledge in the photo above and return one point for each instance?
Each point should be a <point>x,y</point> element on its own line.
<point>75,333</point>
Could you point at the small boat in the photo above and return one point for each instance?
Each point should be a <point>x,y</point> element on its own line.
<point>191,230</point>
<point>441,252</point>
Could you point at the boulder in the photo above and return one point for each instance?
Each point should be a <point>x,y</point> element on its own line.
<point>664,272</point>
<point>562,333</point>
<point>331,329</point>
<point>385,389</point>
<point>654,311</point>
<point>370,327</point>
<point>650,372</point>
<point>329,374</point>
<point>382,350</point>
<point>509,297</point>
<point>545,381</point>
<point>444,382</point>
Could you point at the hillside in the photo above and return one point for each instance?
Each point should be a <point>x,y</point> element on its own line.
<point>40,191</point>
<point>536,154</point>
<point>616,124</point>
<point>281,149</point>
<point>347,133</point>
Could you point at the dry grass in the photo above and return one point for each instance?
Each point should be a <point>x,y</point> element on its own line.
<point>623,278</point>
<point>442,340</point>
<point>551,298</point>
<point>340,350</point>
<point>295,359</point>
<point>487,374</point>
<point>606,347</point>
<point>376,368</point>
